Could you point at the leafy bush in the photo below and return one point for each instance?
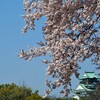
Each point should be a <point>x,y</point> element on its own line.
<point>14,92</point>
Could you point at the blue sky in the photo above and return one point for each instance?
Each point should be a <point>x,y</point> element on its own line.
<point>13,69</point>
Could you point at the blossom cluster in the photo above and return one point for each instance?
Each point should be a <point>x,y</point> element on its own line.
<point>72,34</point>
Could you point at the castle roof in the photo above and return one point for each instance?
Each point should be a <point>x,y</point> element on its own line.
<point>89,75</point>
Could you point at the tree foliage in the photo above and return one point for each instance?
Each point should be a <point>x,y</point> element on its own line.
<point>14,92</point>
<point>71,35</point>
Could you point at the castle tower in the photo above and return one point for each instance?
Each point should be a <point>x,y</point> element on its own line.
<point>87,83</point>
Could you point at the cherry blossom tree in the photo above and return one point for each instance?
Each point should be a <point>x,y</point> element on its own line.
<point>71,33</point>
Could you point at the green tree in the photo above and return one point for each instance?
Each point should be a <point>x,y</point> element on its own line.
<point>34,96</point>
<point>14,92</point>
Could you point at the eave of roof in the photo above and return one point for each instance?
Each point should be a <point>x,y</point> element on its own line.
<point>89,75</point>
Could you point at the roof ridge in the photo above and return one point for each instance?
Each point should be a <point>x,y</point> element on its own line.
<point>89,72</point>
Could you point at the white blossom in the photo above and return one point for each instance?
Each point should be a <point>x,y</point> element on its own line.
<point>71,36</point>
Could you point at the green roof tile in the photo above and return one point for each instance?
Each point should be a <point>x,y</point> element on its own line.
<point>89,75</point>
<point>84,87</point>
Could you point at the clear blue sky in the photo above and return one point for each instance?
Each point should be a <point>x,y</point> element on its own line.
<point>12,69</point>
